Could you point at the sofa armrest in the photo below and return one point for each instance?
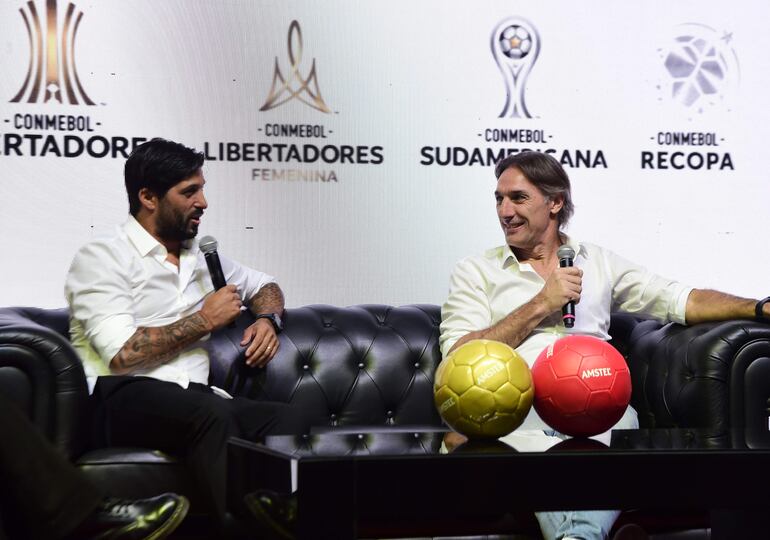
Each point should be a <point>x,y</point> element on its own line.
<point>710,375</point>
<point>43,375</point>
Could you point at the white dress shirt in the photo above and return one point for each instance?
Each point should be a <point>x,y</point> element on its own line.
<point>122,282</point>
<point>485,289</point>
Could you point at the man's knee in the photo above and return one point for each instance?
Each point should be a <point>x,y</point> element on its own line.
<point>290,420</point>
<point>216,414</point>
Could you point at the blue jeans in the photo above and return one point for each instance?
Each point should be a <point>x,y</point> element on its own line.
<point>583,524</point>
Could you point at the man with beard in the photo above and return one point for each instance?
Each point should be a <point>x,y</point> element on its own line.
<point>141,303</point>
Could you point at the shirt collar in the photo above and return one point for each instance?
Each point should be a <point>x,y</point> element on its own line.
<point>506,257</point>
<point>145,243</point>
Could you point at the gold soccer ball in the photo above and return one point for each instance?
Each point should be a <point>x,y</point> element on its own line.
<point>483,389</point>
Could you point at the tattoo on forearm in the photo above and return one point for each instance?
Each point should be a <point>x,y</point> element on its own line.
<point>151,347</point>
<point>269,299</point>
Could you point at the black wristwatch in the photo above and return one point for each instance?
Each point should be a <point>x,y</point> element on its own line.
<point>274,318</point>
<point>760,314</point>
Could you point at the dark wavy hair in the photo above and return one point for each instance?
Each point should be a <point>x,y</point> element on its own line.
<point>546,174</point>
<point>158,165</point>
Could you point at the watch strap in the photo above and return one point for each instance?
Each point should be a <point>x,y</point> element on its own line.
<point>272,318</point>
<point>758,309</point>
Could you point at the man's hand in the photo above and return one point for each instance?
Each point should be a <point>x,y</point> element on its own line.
<point>221,307</point>
<point>453,439</point>
<point>262,343</point>
<point>562,286</point>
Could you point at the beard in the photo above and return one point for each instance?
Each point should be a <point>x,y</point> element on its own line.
<point>174,225</point>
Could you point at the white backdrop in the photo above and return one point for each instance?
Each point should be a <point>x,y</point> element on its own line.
<point>398,79</point>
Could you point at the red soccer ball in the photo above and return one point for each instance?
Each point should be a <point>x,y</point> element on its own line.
<point>582,385</point>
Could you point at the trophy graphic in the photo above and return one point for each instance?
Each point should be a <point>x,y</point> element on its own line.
<point>515,46</point>
<point>52,74</point>
<point>295,85</point>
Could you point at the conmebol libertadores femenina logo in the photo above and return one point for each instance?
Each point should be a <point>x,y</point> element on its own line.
<point>52,74</point>
<point>294,85</point>
<point>296,144</point>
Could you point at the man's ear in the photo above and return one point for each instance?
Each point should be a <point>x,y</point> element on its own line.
<point>148,199</point>
<point>557,203</point>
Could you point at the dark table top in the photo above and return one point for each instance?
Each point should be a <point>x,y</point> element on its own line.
<point>376,441</point>
<point>380,473</point>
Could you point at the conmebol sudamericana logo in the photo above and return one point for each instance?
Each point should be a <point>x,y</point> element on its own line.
<point>515,46</point>
<point>52,73</point>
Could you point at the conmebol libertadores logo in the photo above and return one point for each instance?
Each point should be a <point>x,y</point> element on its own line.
<point>52,72</point>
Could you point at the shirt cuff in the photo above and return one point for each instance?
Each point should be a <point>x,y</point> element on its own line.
<point>679,312</point>
<point>109,341</point>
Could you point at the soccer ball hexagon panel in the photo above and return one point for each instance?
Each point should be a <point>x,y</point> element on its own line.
<point>483,389</point>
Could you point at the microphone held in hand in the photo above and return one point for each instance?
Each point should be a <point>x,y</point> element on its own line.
<point>566,257</point>
<point>208,246</point>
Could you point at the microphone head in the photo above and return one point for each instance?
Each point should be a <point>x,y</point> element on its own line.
<point>564,252</point>
<point>208,244</point>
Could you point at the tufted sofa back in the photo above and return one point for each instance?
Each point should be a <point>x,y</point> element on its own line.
<point>373,365</point>
<point>365,365</point>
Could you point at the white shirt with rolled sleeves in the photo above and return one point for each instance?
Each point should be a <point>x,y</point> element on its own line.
<point>121,282</point>
<point>485,289</point>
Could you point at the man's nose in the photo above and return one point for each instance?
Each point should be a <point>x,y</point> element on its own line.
<point>506,208</point>
<point>201,202</point>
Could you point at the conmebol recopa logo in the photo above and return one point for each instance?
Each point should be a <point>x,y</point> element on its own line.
<point>699,77</point>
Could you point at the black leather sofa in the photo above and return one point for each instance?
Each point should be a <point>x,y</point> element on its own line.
<point>373,365</point>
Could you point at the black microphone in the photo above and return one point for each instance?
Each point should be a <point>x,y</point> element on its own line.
<point>566,256</point>
<point>208,246</point>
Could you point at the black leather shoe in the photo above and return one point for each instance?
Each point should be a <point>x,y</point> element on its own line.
<point>142,519</point>
<point>274,515</point>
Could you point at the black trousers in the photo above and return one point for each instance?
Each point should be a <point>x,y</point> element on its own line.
<point>193,424</point>
<point>42,495</point>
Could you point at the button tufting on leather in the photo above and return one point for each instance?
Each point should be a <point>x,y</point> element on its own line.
<point>360,365</point>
